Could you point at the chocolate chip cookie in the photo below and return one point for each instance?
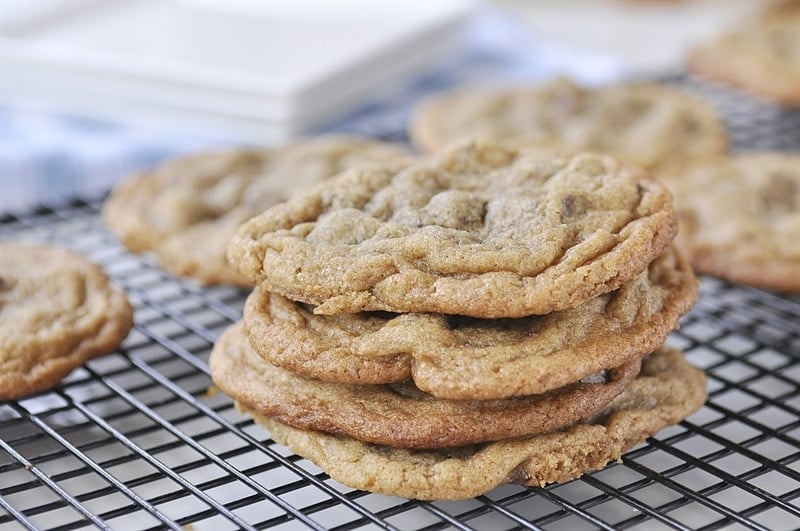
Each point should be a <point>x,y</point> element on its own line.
<point>740,217</point>
<point>761,55</point>
<point>645,124</point>
<point>58,310</point>
<point>481,230</point>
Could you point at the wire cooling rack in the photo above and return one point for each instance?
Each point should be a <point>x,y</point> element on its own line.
<point>138,439</point>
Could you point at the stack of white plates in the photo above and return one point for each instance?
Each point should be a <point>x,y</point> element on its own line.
<point>274,69</point>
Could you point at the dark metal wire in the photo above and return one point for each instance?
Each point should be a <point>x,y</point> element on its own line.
<point>58,490</point>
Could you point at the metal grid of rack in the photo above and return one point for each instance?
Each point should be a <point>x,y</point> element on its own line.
<point>138,439</point>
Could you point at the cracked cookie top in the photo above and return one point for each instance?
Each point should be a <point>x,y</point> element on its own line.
<point>645,124</point>
<point>481,230</point>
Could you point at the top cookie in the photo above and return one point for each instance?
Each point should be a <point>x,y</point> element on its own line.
<point>187,209</point>
<point>482,230</point>
<point>57,310</point>
<point>649,125</point>
<point>761,55</point>
<point>740,217</point>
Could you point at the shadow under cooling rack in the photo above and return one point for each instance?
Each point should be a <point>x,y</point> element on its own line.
<point>139,439</point>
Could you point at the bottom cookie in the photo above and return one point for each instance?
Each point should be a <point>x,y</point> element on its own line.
<point>667,390</point>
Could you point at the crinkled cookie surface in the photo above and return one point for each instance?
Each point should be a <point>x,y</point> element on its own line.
<point>400,415</point>
<point>481,230</point>
<point>740,217</point>
<point>666,391</point>
<point>187,209</point>
<point>57,310</point>
<point>457,357</point>
<point>644,124</point>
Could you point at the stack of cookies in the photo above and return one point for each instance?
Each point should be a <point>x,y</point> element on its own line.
<point>489,315</point>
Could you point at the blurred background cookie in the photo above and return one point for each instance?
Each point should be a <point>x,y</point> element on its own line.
<point>187,209</point>
<point>740,217</point>
<point>645,124</point>
<point>760,55</point>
